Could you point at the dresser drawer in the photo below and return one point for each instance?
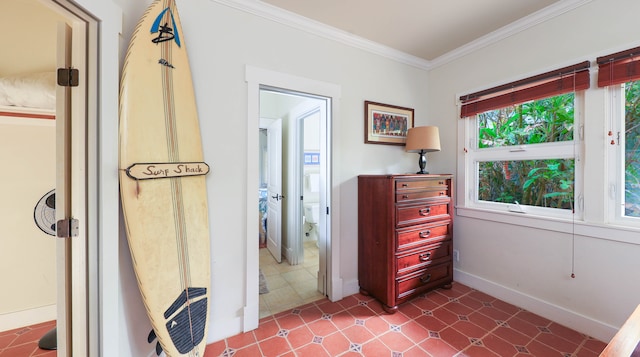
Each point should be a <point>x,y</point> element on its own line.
<point>418,195</point>
<point>409,285</point>
<point>422,235</point>
<point>422,213</point>
<point>420,258</point>
<point>402,185</point>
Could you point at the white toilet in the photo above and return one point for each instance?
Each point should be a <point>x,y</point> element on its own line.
<point>311,205</point>
<point>311,218</point>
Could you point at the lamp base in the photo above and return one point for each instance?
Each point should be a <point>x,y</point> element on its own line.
<point>422,163</point>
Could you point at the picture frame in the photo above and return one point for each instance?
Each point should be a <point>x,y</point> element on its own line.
<point>311,158</point>
<point>386,124</point>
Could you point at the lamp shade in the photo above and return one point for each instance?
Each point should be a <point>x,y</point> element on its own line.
<point>423,139</point>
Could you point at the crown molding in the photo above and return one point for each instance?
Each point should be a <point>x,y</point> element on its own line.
<point>302,23</point>
<point>509,30</point>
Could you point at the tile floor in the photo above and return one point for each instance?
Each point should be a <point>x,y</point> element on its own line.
<point>455,322</point>
<point>23,342</point>
<point>289,285</point>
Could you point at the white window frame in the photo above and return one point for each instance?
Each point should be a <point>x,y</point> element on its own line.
<point>467,134</point>
<point>615,107</point>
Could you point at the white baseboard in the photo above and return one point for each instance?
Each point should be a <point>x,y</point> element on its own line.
<point>251,318</point>
<point>351,287</point>
<point>561,315</point>
<point>288,254</point>
<point>14,320</point>
<point>227,327</point>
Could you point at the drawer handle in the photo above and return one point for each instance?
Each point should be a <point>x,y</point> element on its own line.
<point>404,197</point>
<point>425,279</point>
<point>405,185</point>
<point>425,234</point>
<point>442,193</point>
<point>425,211</point>
<point>425,256</point>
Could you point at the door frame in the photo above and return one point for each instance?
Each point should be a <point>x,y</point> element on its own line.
<point>94,51</point>
<point>103,315</point>
<point>255,77</point>
<point>77,333</point>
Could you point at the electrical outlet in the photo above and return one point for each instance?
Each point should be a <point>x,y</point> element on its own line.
<point>456,255</point>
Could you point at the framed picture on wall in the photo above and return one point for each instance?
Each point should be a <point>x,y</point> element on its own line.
<point>312,158</point>
<point>386,124</point>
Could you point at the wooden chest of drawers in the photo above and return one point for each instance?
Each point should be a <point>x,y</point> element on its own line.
<point>405,227</point>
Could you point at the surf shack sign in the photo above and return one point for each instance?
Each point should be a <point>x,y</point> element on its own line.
<point>148,171</point>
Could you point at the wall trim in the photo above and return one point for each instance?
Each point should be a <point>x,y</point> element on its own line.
<point>513,28</point>
<point>351,287</point>
<point>255,77</point>
<point>28,317</point>
<point>288,253</point>
<point>302,23</point>
<point>561,315</point>
<point>605,231</point>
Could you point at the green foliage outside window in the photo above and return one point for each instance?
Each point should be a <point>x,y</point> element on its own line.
<point>541,121</point>
<point>632,149</point>
<point>542,183</point>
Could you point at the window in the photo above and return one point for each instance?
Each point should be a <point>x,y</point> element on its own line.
<point>625,143</point>
<point>631,150</point>
<point>521,156</point>
<point>524,155</point>
<point>619,73</point>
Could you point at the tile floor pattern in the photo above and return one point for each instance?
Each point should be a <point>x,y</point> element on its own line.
<point>456,322</point>
<point>289,285</point>
<point>23,342</point>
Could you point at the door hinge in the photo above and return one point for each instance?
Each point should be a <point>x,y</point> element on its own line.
<point>68,77</point>
<point>67,228</point>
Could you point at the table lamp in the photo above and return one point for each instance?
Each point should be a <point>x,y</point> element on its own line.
<point>423,139</point>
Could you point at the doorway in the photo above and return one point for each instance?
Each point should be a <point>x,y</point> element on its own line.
<point>257,78</point>
<point>28,145</point>
<point>58,133</point>
<point>293,269</point>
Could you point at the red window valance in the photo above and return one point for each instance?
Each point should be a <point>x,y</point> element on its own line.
<point>619,67</point>
<point>560,81</point>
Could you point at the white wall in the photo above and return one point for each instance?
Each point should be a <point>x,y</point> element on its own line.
<point>221,41</point>
<point>29,161</point>
<point>27,254</point>
<point>34,50</point>
<point>530,266</point>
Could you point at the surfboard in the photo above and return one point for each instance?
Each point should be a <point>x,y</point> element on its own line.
<point>162,182</point>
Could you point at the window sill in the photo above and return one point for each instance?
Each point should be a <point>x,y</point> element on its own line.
<point>609,232</point>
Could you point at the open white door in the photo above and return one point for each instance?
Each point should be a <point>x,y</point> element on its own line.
<point>63,193</point>
<point>324,226</point>
<point>71,206</point>
<point>274,190</point>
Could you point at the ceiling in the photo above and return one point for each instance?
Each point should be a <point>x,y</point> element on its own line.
<point>426,29</point>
